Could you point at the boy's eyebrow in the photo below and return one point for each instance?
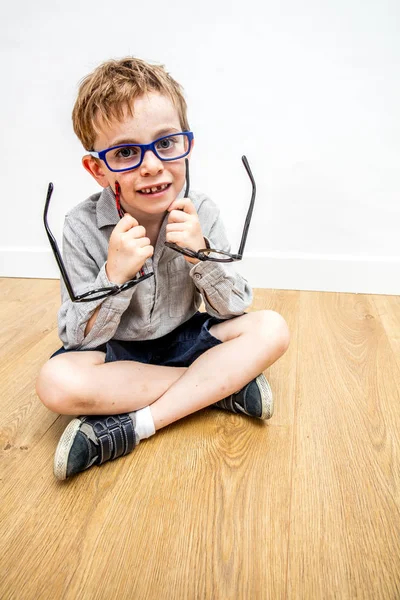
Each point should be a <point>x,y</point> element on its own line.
<point>158,134</point>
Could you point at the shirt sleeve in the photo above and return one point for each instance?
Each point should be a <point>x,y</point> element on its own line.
<point>225,292</point>
<point>85,275</point>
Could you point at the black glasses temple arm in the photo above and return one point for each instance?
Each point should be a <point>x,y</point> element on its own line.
<point>250,211</point>
<point>54,245</point>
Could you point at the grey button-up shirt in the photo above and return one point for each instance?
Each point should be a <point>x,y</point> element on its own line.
<point>155,306</point>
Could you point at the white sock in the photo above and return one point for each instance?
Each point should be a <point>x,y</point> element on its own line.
<point>144,423</point>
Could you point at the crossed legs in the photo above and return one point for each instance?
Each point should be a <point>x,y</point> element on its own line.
<point>82,383</point>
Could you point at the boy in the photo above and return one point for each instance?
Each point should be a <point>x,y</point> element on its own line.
<point>139,360</point>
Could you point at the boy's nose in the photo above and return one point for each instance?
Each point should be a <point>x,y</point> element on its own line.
<point>151,163</point>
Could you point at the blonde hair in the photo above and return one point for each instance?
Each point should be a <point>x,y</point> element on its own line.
<point>113,86</point>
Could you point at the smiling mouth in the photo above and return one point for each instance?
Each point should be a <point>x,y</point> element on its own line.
<point>154,189</point>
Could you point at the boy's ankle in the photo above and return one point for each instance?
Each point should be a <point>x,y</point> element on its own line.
<point>144,423</point>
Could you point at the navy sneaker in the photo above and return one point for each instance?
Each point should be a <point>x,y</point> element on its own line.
<point>89,441</point>
<point>254,400</point>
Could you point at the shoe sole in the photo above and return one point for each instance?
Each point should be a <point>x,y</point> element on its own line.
<point>63,448</point>
<point>267,399</point>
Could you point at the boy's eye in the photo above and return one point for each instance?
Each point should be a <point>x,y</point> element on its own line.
<point>166,143</point>
<point>126,152</point>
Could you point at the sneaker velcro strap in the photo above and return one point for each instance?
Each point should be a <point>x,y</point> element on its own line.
<point>116,436</point>
<point>129,432</point>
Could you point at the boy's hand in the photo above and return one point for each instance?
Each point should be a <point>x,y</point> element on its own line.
<point>128,249</point>
<point>184,227</point>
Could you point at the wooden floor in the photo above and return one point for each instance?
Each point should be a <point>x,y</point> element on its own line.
<point>217,506</point>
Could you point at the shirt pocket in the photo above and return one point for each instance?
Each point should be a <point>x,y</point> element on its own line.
<point>181,289</point>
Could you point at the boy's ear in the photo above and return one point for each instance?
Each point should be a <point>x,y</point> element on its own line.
<point>96,169</point>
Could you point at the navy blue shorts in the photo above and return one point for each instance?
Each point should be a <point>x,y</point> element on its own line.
<point>179,348</point>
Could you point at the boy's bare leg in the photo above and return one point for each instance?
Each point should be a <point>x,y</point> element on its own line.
<point>251,343</point>
<point>82,383</point>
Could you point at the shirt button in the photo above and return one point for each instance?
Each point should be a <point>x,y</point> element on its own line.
<point>197,276</point>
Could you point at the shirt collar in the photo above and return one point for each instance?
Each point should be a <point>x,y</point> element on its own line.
<point>106,209</point>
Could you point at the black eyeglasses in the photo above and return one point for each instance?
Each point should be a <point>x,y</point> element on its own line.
<point>220,255</point>
<point>209,254</point>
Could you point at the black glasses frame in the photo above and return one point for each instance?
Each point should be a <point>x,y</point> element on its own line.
<point>99,293</point>
<point>204,253</point>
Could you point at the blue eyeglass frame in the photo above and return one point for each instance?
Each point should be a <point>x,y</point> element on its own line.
<point>143,148</point>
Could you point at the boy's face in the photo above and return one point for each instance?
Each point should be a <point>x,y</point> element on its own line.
<point>154,116</point>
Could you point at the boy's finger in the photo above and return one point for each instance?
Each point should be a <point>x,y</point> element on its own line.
<point>127,222</point>
<point>184,204</point>
<point>175,227</point>
<point>177,216</point>
<point>142,242</point>
<point>174,236</point>
<point>136,232</point>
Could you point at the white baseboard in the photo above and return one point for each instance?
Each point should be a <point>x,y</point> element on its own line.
<point>328,273</point>
<point>323,272</point>
<point>28,261</point>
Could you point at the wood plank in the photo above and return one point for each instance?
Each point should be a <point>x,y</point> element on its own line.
<point>282,374</point>
<point>345,525</point>
<point>28,337</point>
<point>388,309</point>
<point>23,418</point>
<point>27,312</point>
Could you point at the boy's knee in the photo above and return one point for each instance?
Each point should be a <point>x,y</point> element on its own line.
<point>270,323</point>
<point>57,385</point>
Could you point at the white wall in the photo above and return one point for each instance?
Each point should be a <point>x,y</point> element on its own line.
<point>309,91</point>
